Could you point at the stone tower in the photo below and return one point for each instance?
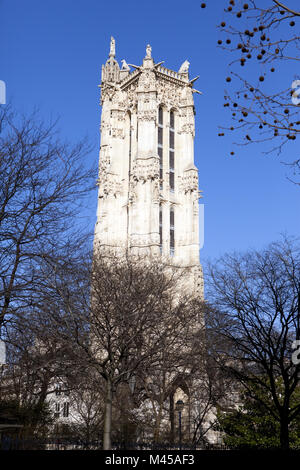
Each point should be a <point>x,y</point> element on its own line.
<point>148,182</point>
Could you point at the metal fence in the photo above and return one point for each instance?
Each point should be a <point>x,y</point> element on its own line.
<point>66,443</point>
<point>15,443</point>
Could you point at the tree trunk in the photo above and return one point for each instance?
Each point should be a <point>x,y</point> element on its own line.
<point>284,433</point>
<point>156,434</point>
<point>172,423</point>
<point>107,416</point>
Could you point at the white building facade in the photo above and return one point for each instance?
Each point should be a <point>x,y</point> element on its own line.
<point>148,200</point>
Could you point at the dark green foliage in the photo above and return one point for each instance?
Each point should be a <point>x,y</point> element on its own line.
<point>35,418</point>
<point>252,426</point>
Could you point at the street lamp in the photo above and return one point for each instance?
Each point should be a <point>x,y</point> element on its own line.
<point>179,408</point>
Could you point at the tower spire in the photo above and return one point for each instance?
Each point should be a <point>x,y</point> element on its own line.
<point>148,51</point>
<point>111,70</point>
<point>112,51</point>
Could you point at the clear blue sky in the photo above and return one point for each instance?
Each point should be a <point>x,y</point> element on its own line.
<point>51,55</point>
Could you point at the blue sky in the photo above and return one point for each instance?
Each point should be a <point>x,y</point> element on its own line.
<point>51,56</point>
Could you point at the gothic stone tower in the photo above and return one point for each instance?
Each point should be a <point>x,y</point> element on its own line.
<point>148,183</point>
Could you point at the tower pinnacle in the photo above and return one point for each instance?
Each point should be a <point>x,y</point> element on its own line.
<point>148,51</point>
<point>112,51</point>
<point>148,184</point>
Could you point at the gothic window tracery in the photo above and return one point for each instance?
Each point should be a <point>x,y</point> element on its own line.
<point>172,151</point>
<point>160,144</point>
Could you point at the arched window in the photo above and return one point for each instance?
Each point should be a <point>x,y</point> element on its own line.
<point>160,115</point>
<point>172,232</point>
<point>160,144</point>
<point>172,151</point>
<point>160,228</point>
<point>172,119</point>
<point>130,137</point>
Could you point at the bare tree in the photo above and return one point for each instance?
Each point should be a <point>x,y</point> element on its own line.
<point>209,390</point>
<point>119,314</point>
<point>43,183</point>
<point>36,362</point>
<point>174,368</point>
<point>86,406</point>
<point>180,365</point>
<point>256,312</point>
<point>262,92</point>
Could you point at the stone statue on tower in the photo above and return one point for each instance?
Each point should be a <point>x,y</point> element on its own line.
<point>112,51</point>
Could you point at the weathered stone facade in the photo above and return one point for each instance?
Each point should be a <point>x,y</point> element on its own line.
<point>148,183</point>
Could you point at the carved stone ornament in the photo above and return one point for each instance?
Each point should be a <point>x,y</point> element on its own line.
<point>109,185</point>
<point>189,182</point>
<point>125,66</point>
<point>118,133</point>
<point>187,112</point>
<point>141,240</point>
<point>131,100</point>
<point>107,93</point>
<point>118,97</point>
<point>188,128</point>
<point>112,51</point>
<point>184,67</point>
<point>187,98</point>
<point>104,161</point>
<point>146,169</point>
<point>147,115</point>
<point>168,93</point>
<point>132,198</point>
<point>148,51</point>
<point>147,81</point>
<point>104,127</point>
<point>110,71</point>
<point>118,114</point>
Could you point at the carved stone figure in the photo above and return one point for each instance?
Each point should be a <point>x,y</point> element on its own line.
<point>148,51</point>
<point>184,67</point>
<point>112,51</point>
<point>125,66</point>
